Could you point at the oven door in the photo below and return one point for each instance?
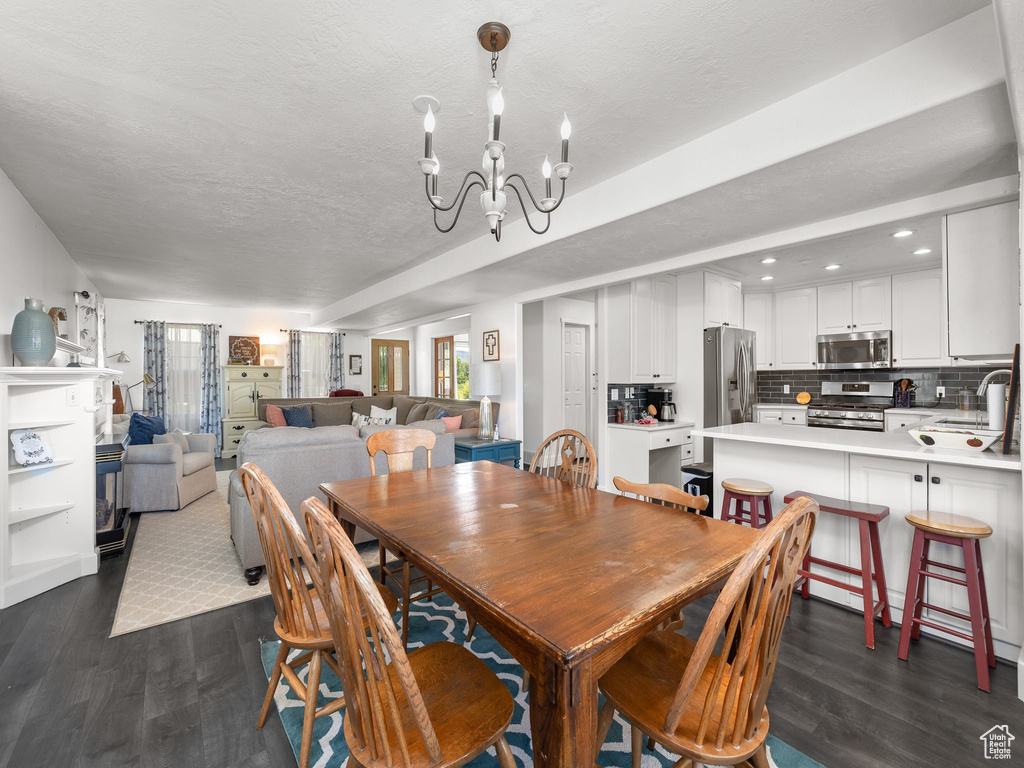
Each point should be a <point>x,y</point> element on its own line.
<point>852,351</point>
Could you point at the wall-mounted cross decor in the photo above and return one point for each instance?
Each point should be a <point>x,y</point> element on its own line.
<point>492,346</point>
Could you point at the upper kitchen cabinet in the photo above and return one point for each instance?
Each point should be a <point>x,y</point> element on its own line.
<point>758,316</point>
<point>723,301</point>
<point>796,314</point>
<point>918,336</point>
<point>862,305</point>
<point>642,330</point>
<point>980,255</point>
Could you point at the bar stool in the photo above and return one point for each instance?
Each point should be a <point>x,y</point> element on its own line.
<point>868,517</point>
<point>966,533</point>
<point>750,493</point>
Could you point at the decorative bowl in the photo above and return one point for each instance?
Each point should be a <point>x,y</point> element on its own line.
<point>958,439</point>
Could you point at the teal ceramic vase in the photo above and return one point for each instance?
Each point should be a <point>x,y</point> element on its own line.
<point>33,339</point>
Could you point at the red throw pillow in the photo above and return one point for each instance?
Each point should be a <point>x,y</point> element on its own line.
<point>451,423</point>
<point>275,416</point>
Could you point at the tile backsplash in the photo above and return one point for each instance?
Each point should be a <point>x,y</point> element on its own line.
<point>770,383</point>
<point>639,399</point>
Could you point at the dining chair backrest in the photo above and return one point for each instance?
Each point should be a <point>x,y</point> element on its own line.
<point>568,456</point>
<point>399,446</point>
<point>285,549</point>
<point>751,610</point>
<point>366,643</point>
<point>663,494</point>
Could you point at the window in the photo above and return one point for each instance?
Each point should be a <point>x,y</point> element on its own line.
<point>316,365</point>
<point>462,367</point>
<point>184,376</point>
<point>451,367</point>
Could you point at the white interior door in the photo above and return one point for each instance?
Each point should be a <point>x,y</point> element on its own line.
<point>574,377</point>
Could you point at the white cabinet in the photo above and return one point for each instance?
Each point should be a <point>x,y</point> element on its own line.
<point>796,314</point>
<point>993,496</point>
<point>981,259</point>
<point>759,317</point>
<point>649,455</point>
<point>765,414</point>
<point>894,421</point>
<point>642,331</point>
<point>769,416</point>
<point>244,387</point>
<point>723,301</point>
<point>861,305</point>
<point>918,320</point>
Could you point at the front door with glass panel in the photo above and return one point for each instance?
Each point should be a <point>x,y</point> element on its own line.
<point>390,367</point>
<point>444,367</point>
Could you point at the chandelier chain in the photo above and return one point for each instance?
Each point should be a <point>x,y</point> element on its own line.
<point>494,59</point>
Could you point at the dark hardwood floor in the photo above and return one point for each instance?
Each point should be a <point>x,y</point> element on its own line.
<point>188,693</point>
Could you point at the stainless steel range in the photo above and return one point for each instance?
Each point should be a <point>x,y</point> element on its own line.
<point>851,405</point>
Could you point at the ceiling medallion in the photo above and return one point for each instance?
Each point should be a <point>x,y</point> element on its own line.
<point>492,180</point>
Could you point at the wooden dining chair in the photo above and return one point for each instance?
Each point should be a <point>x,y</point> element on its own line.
<point>399,446</point>
<point>716,712</point>
<point>568,456</point>
<point>301,619</point>
<point>436,707</point>
<point>663,494</point>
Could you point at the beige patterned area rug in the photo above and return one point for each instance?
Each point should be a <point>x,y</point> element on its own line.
<point>183,563</point>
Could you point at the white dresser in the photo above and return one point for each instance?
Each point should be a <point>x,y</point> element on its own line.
<point>244,387</point>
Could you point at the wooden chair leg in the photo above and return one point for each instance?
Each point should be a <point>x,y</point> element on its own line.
<point>309,716</point>
<point>526,681</point>
<point>505,756</point>
<point>909,604</point>
<point>766,502</point>
<point>760,758</point>
<point>275,679</point>
<point>604,724</point>
<point>470,627</point>
<point>637,748</point>
<point>405,602</point>
<point>977,612</point>
<point>382,556</point>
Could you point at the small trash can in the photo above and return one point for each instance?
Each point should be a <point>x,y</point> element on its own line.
<point>699,481</point>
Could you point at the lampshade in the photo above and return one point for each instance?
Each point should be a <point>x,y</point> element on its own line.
<point>122,357</point>
<point>485,379</point>
<point>148,380</point>
<point>268,350</point>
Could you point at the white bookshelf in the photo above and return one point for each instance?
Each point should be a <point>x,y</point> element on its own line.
<point>48,511</point>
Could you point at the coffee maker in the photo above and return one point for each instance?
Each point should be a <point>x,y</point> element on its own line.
<point>661,399</point>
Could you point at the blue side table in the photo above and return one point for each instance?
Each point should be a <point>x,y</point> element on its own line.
<point>475,449</point>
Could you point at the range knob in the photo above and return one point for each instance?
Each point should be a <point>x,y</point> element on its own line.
<point>842,415</point>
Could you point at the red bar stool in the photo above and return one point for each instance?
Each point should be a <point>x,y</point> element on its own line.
<point>966,533</point>
<point>751,493</point>
<point>868,517</point>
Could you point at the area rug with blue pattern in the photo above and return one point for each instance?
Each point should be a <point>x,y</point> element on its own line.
<point>439,620</point>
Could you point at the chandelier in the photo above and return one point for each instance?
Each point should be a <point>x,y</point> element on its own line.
<point>491,178</point>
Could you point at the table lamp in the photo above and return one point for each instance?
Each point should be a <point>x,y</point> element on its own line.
<point>485,380</point>
<point>268,351</point>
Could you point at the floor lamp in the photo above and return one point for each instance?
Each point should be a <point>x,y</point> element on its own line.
<point>148,380</point>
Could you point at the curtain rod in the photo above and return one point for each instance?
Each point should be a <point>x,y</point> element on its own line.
<point>143,322</point>
<point>289,330</point>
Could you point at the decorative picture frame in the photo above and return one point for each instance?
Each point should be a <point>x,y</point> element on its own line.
<point>492,346</point>
<point>244,348</point>
<point>355,365</point>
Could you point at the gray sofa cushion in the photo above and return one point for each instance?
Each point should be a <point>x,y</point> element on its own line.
<point>417,413</point>
<point>362,404</point>
<point>172,437</point>
<point>332,414</point>
<point>403,404</point>
<point>255,442</point>
<point>193,461</point>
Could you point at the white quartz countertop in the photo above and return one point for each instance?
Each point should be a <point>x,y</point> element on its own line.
<point>898,445</point>
<point>661,425</point>
<point>782,406</point>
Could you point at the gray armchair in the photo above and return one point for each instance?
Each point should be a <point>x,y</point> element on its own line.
<point>172,472</point>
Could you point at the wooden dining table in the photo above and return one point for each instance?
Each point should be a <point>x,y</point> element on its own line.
<point>567,579</point>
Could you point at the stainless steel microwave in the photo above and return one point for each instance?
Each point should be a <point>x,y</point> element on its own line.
<point>850,351</point>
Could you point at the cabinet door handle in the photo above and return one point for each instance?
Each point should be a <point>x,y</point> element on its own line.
<point>244,374</point>
<point>238,426</point>
<point>918,478</point>
<point>936,480</point>
<point>847,326</point>
<point>266,375</point>
<point>854,325</point>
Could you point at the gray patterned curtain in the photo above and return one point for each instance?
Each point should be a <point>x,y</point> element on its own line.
<point>155,354</point>
<point>336,377</point>
<point>209,403</point>
<point>294,364</point>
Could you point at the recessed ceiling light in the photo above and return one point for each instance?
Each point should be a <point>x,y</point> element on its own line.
<point>769,260</point>
<point>832,266</point>
<point>767,277</point>
<point>903,233</point>
<point>922,251</point>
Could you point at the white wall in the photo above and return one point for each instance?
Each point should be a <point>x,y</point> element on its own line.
<point>32,263</point>
<point>688,388</point>
<point>124,334</point>
<point>504,317</point>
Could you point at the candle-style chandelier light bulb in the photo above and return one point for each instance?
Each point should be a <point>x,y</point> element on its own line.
<point>493,37</point>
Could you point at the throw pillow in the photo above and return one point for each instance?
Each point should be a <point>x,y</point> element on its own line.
<point>332,414</point>
<point>180,439</point>
<point>452,423</point>
<point>361,420</point>
<point>142,428</point>
<point>471,418</point>
<point>418,413</point>
<point>432,410</point>
<point>275,416</point>
<point>298,416</point>
<point>442,414</point>
<point>404,405</point>
<point>387,417</point>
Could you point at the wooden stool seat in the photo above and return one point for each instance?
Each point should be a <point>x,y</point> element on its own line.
<point>948,524</point>
<point>965,533</point>
<point>747,487</point>
<point>871,569</point>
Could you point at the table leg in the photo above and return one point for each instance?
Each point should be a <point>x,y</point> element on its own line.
<point>348,527</point>
<point>563,716</point>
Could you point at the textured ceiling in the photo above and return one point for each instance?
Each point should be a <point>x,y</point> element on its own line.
<point>264,153</point>
<point>959,143</point>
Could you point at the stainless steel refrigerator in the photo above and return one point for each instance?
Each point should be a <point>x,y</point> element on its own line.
<point>730,378</point>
